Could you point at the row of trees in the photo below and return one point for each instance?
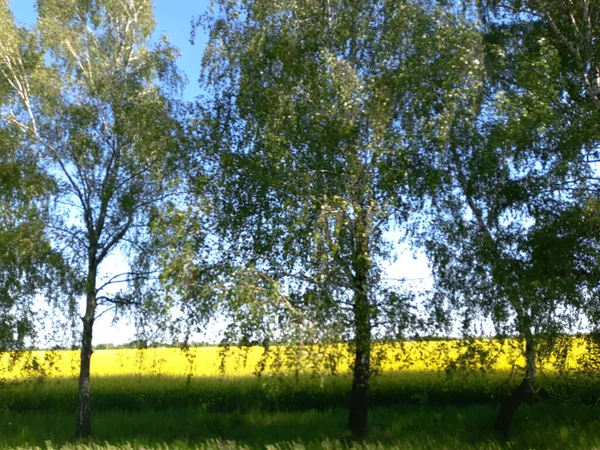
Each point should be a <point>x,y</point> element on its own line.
<point>468,126</point>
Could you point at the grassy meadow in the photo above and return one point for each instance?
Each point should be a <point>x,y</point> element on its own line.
<point>169,398</point>
<point>399,427</point>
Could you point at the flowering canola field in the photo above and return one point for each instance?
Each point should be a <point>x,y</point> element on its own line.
<point>209,361</point>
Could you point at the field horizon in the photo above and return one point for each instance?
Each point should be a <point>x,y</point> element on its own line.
<point>426,355</point>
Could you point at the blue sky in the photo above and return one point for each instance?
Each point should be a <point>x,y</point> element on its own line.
<point>174,19</point>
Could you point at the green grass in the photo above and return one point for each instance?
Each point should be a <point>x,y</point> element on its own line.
<point>401,427</point>
<point>283,394</point>
<point>409,411</point>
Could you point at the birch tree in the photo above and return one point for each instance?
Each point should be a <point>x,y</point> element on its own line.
<point>319,112</point>
<point>511,237</point>
<point>95,100</point>
<point>573,29</point>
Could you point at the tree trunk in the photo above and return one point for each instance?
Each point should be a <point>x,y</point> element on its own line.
<point>523,393</point>
<point>359,396</point>
<point>83,424</point>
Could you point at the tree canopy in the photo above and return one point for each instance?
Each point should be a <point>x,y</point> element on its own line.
<point>469,128</point>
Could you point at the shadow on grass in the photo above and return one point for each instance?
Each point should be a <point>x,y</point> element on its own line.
<point>403,427</point>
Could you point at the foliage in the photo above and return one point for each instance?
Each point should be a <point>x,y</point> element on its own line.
<point>28,264</point>
<point>317,117</point>
<point>570,31</point>
<point>511,240</point>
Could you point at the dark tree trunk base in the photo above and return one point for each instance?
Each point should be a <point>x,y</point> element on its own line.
<point>522,394</point>
<point>359,410</point>
<point>83,420</point>
<point>83,427</point>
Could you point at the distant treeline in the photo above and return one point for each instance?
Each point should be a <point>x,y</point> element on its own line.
<point>138,344</point>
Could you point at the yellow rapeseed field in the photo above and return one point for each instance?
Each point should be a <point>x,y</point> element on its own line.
<point>208,361</point>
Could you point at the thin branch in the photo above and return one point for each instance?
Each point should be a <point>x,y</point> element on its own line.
<point>131,276</point>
